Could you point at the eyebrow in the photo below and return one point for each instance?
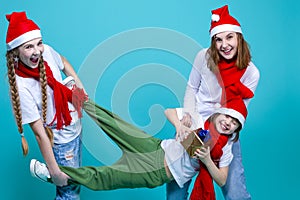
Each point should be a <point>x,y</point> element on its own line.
<point>41,40</point>
<point>229,34</point>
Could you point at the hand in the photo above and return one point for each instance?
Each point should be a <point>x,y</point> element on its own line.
<point>203,154</point>
<point>60,178</point>
<point>187,120</point>
<point>182,132</point>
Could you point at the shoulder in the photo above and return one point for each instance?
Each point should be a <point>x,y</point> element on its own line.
<point>252,71</point>
<point>202,53</point>
<point>48,50</point>
<point>52,56</point>
<point>252,67</point>
<point>201,58</point>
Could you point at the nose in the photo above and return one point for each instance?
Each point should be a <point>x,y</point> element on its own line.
<point>228,122</point>
<point>37,50</point>
<point>224,44</point>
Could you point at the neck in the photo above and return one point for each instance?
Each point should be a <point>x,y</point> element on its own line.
<point>22,64</point>
<point>233,59</point>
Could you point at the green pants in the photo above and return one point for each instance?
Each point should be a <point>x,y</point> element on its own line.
<point>142,162</point>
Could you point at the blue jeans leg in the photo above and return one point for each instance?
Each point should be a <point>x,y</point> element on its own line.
<point>235,187</point>
<point>68,154</point>
<point>174,192</point>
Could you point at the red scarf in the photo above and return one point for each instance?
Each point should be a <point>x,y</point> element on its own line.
<point>229,78</point>
<point>62,94</point>
<point>204,187</point>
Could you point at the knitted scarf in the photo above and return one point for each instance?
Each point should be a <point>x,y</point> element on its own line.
<point>229,78</point>
<point>62,94</point>
<point>203,187</point>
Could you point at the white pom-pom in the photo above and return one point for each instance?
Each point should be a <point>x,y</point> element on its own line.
<point>215,17</point>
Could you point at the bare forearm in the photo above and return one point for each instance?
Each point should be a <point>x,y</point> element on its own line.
<point>45,146</point>
<point>171,115</point>
<point>219,175</point>
<point>69,71</point>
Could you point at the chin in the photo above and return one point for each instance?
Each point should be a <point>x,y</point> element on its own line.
<point>228,57</point>
<point>34,66</point>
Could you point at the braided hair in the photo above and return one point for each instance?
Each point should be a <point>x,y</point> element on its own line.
<point>12,63</point>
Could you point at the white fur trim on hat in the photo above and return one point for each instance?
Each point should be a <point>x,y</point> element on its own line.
<point>23,38</point>
<point>232,113</point>
<point>225,27</point>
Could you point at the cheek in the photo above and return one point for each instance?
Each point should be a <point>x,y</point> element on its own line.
<point>234,44</point>
<point>24,55</point>
<point>234,128</point>
<point>218,46</point>
<point>41,49</point>
<point>23,58</point>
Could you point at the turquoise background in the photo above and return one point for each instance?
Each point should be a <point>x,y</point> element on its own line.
<point>138,82</point>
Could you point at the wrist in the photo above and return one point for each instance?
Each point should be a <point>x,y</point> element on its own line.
<point>177,125</point>
<point>54,170</point>
<point>208,162</point>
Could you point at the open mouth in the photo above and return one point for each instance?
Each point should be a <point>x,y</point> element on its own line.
<point>34,60</point>
<point>224,127</point>
<point>227,51</point>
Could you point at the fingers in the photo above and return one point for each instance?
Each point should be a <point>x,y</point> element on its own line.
<point>182,133</point>
<point>61,179</point>
<point>187,121</point>
<point>202,153</point>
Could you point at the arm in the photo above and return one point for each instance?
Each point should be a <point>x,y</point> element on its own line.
<point>58,177</point>
<point>218,174</point>
<point>251,80</point>
<point>69,71</point>
<point>189,105</point>
<point>193,85</point>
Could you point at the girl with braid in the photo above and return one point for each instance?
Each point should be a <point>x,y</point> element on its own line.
<point>41,99</point>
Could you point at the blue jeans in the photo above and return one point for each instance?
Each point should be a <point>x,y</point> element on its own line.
<point>68,154</point>
<point>174,192</point>
<point>234,189</point>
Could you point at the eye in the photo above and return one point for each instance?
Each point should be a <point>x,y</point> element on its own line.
<point>40,43</point>
<point>229,37</point>
<point>218,39</point>
<point>235,122</point>
<point>28,46</point>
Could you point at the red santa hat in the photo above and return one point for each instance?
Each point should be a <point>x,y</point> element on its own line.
<point>222,21</point>
<point>235,108</point>
<point>20,30</point>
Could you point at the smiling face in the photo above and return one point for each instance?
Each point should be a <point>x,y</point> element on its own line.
<point>226,124</point>
<point>30,52</point>
<point>226,44</point>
